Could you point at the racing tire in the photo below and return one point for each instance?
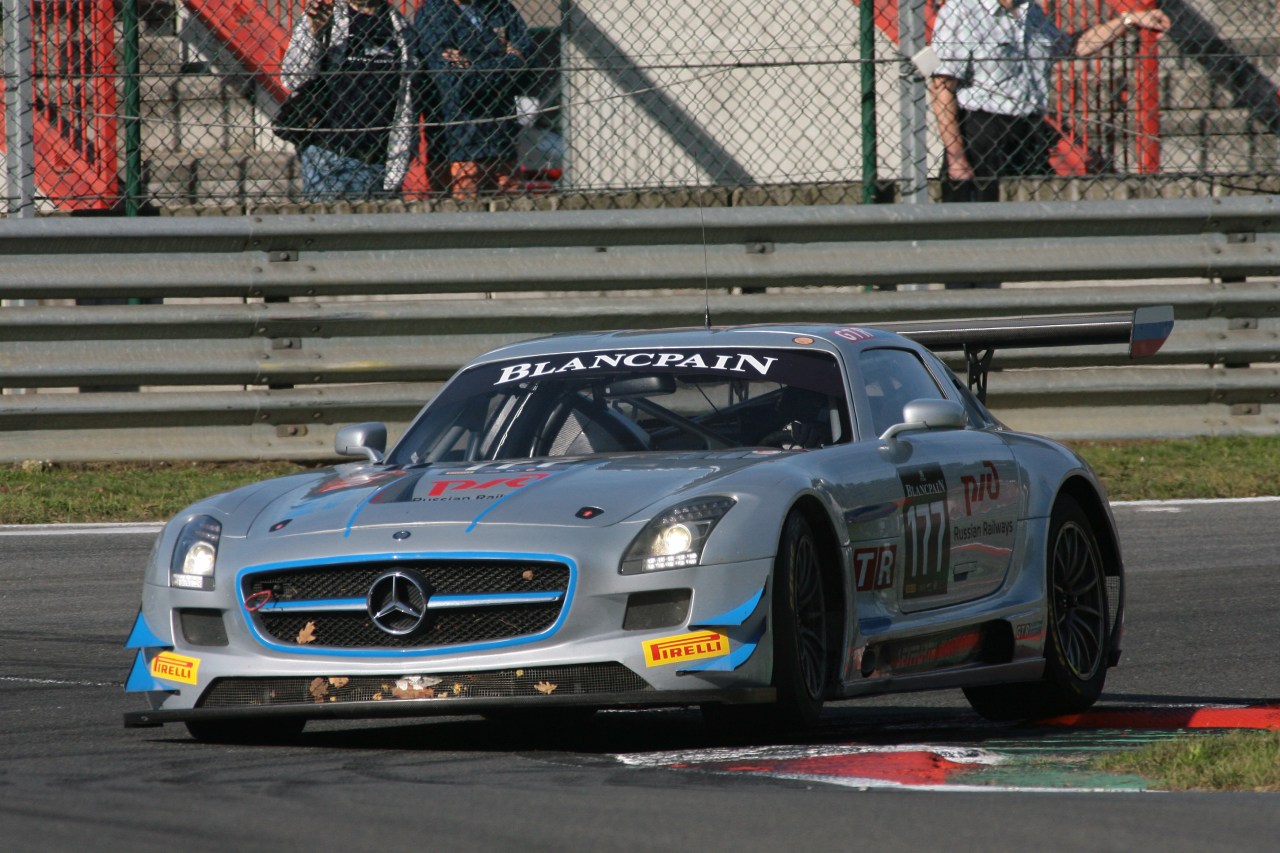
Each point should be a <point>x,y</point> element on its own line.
<point>275,730</point>
<point>1078,636</point>
<point>802,652</point>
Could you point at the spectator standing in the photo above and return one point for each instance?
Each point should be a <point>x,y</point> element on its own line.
<point>474,51</point>
<point>990,91</point>
<point>364,147</point>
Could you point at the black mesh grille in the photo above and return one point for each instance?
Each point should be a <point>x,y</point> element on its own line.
<point>447,578</point>
<point>1113,601</point>
<point>501,684</point>
<point>452,626</point>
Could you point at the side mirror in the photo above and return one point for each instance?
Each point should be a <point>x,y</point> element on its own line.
<point>929,414</point>
<point>368,440</point>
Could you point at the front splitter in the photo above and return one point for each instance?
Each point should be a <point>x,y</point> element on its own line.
<point>451,706</point>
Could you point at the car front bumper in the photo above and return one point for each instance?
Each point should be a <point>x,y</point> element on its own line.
<point>719,652</point>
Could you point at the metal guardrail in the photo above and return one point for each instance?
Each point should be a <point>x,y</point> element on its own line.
<point>256,256</point>
<point>240,373</point>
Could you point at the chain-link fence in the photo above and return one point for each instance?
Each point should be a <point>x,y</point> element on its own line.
<point>168,105</point>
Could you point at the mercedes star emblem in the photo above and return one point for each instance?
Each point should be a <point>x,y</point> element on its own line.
<point>398,602</point>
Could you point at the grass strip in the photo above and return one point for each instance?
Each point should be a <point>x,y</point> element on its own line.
<point>1219,761</point>
<point>1208,467</point>
<point>45,493</point>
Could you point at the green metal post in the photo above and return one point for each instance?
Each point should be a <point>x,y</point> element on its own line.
<point>132,108</point>
<point>867,55</point>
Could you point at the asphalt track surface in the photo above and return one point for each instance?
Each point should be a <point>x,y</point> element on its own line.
<point>1202,629</point>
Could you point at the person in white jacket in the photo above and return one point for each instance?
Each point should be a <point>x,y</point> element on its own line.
<point>368,52</point>
<point>990,88</point>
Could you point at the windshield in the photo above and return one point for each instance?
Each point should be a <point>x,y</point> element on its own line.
<point>626,401</point>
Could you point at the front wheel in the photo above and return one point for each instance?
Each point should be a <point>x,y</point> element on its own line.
<point>1078,641</point>
<point>800,653</point>
<point>801,642</point>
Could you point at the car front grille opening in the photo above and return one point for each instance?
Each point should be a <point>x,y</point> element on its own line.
<point>489,619</point>
<point>578,680</point>
<point>1113,601</point>
<point>445,578</point>
<point>450,628</point>
<point>202,626</point>
<point>660,608</point>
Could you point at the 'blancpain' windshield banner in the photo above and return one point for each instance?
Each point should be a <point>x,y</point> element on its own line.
<point>731,362</point>
<point>813,370</point>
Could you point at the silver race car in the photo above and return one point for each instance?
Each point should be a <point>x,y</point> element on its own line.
<point>753,520</point>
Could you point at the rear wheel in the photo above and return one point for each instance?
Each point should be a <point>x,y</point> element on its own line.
<point>263,731</point>
<point>801,642</point>
<point>1078,640</point>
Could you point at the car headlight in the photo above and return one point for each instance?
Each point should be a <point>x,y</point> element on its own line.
<point>195,554</point>
<point>675,538</point>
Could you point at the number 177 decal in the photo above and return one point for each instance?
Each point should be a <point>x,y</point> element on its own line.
<point>926,557</point>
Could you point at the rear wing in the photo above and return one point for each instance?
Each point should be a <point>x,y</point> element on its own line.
<point>1144,329</point>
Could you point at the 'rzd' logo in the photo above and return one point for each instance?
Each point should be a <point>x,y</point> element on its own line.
<point>439,487</point>
<point>980,488</point>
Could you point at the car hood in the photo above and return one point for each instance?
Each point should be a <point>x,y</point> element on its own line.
<point>586,492</point>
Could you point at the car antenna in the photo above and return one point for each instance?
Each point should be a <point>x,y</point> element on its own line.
<point>706,272</point>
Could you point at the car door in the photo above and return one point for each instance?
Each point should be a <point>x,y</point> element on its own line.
<point>956,493</point>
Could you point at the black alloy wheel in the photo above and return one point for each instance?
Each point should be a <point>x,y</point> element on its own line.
<point>802,648</point>
<point>1078,630</point>
<point>801,654</point>
<point>1079,601</point>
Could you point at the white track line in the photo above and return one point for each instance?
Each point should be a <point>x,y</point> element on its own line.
<point>1199,501</point>
<point>136,528</point>
<point>13,679</point>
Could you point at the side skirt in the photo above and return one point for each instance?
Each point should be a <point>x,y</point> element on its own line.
<point>967,676</point>
<point>985,653</point>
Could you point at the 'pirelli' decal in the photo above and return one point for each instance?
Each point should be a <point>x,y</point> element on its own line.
<point>683,648</point>
<point>168,666</point>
